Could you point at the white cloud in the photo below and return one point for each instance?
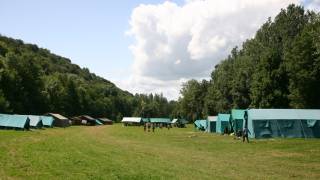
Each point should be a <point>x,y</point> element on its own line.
<point>142,84</point>
<point>174,43</point>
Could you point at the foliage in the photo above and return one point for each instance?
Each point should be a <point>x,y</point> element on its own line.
<point>35,81</point>
<point>278,68</point>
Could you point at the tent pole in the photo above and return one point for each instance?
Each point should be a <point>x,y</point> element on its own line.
<point>281,134</point>
<point>304,134</point>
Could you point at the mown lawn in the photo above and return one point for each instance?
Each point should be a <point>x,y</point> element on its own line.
<point>116,152</point>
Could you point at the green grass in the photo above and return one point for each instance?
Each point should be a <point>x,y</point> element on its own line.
<point>116,152</point>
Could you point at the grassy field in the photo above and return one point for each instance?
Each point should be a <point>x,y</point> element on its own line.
<point>116,152</point>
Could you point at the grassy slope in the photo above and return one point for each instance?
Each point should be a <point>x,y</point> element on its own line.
<point>115,152</point>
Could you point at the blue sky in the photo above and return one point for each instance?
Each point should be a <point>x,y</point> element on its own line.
<point>170,41</point>
<point>90,33</point>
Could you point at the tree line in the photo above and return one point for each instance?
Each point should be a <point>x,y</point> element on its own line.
<point>278,68</point>
<point>35,81</point>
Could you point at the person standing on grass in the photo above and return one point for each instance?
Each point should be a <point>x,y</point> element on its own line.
<point>153,127</point>
<point>145,127</point>
<point>148,126</point>
<point>245,132</point>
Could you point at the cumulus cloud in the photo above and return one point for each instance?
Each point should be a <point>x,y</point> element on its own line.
<point>174,43</point>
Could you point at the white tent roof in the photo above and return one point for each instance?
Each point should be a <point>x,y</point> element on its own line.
<point>58,116</point>
<point>174,121</point>
<point>212,118</point>
<point>132,119</point>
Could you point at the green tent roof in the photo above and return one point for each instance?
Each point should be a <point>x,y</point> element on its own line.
<point>237,113</point>
<point>201,123</point>
<point>145,120</point>
<point>286,114</point>
<point>160,120</point>
<point>47,120</point>
<point>14,121</point>
<point>98,122</point>
<point>223,117</point>
<point>237,116</point>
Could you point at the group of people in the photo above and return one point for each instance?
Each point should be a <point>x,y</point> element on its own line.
<point>244,134</point>
<point>152,126</point>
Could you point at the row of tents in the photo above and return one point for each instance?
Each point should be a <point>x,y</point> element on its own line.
<point>134,121</point>
<point>265,123</point>
<point>24,122</point>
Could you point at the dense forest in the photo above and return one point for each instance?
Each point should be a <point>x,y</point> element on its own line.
<point>278,68</point>
<point>35,81</point>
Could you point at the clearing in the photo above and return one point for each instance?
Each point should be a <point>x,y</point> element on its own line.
<point>116,152</point>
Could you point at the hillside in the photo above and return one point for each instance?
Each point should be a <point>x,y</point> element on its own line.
<point>35,81</point>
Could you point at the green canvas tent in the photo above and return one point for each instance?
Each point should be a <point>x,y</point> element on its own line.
<point>145,120</point>
<point>14,121</point>
<point>268,123</point>
<point>237,116</point>
<point>223,121</point>
<point>211,124</point>
<point>201,124</point>
<point>47,121</point>
<point>35,121</point>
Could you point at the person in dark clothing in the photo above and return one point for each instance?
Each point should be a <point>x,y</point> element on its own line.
<point>245,134</point>
<point>145,127</point>
<point>239,133</point>
<point>153,127</point>
<point>226,130</point>
<point>149,126</point>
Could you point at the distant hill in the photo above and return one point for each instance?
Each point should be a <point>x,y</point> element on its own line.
<point>35,81</point>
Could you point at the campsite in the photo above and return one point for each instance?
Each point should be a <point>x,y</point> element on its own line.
<point>160,89</point>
